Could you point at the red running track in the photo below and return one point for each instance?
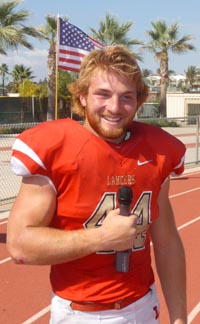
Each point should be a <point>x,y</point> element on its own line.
<point>25,292</point>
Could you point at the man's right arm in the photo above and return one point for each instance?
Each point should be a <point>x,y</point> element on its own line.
<point>30,240</point>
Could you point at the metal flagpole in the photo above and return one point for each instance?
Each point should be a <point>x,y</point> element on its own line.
<point>57,50</point>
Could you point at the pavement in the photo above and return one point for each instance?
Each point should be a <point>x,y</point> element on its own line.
<point>4,214</point>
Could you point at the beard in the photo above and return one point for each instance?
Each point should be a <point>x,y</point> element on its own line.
<point>104,131</point>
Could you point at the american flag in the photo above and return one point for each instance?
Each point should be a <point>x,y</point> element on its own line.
<point>74,44</point>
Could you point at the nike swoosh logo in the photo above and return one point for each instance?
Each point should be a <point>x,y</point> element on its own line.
<point>143,162</point>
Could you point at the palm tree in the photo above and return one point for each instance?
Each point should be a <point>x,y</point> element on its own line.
<point>111,32</point>
<point>21,73</point>
<point>13,31</point>
<point>3,72</point>
<point>146,73</point>
<point>50,32</point>
<point>163,39</point>
<point>192,75</point>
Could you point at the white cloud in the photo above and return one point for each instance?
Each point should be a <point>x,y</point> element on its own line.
<point>36,60</point>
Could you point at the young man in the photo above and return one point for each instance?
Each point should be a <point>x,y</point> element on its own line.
<point>67,211</point>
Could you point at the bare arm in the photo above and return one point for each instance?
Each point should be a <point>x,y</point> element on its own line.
<point>170,259</point>
<point>31,241</point>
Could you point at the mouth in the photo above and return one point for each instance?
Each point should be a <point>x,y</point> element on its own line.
<point>112,119</point>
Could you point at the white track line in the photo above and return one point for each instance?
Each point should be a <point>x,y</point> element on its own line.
<point>184,192</point>
<point>5,222</point>
<point>37,315</point>
<point>5,260</point>
<point>45,310</point>
<point>189,223</point>
<point>194,313</point>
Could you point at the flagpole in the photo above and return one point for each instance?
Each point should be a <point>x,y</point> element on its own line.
<point>56,85</point>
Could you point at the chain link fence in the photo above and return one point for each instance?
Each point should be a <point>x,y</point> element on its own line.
<point>185,129</point>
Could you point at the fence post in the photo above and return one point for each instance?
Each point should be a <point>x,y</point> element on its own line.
<point>197,140</point>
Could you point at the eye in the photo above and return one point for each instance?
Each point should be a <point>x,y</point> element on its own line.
<point>128,97</point>
<point>103,94</point>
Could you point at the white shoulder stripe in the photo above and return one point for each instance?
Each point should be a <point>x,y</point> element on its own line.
<point>18,167</point>
<point>20,146</point>
<point>173,173</point>
<point>181,162</point>
<point>21,170</point>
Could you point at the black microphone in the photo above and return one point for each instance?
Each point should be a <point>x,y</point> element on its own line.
<point>125,197</point>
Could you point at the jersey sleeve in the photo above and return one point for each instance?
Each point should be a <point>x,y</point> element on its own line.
<point>173,152</point>
<point>178,150</point>
<point>35,150</point>
<point>166,149</point>
<point>179,168</point>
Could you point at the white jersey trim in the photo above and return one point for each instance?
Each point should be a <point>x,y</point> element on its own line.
<point>20,146</point>
<point>21,170</point>
<point>18,167</point>
<point>181,162</point>
<point>173,173</point>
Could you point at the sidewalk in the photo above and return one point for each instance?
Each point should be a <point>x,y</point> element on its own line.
<point>190,168</point>
<point>4,214</point>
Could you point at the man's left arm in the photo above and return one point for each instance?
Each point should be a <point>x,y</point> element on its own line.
<point>170,259</point>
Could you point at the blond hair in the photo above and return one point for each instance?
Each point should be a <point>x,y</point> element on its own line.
<point>116,59</point>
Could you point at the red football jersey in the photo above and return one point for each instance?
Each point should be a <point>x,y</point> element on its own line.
<point>86,172</point>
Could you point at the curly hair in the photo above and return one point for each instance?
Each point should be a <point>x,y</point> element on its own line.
<point>116,59</point>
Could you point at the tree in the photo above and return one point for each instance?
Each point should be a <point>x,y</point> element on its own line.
<point>111,32</point>
<point>192,75</point>
<point>3,72</point>
<point>163,39</point>
<point>21,73</point>
<point>13,31</point>
<point>63,93</point>
<point>50,32</point>
<point>146,73</point>
<point>27,88</point>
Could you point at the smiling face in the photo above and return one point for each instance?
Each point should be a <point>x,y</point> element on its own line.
<point>110,105</point>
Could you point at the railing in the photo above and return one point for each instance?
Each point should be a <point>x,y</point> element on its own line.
<point>185,129</point>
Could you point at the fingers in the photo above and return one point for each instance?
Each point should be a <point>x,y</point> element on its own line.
<point>119,231</point>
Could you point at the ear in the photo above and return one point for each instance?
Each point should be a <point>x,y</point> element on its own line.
<point>82,100</point>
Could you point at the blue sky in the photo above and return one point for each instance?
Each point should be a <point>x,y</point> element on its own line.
<point>86,14</point>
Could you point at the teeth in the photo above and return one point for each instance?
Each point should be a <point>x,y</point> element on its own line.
<point>112,118</point>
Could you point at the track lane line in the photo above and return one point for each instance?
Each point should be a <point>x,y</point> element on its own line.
<point>5,222</point>
<point>194,313</point>
<point>37,315</point>
<point>184,192</point>
<point>5,260</point>
<point>189,223</point>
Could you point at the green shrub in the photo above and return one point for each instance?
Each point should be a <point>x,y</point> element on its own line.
<point>14,129</point>
<point>161,122</point>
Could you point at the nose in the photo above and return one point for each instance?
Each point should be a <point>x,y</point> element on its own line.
<point>114,104</point>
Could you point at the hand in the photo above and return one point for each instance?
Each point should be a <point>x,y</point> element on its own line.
<point>118,232</point>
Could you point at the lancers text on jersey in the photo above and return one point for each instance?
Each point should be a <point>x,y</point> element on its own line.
<point>121,180</point>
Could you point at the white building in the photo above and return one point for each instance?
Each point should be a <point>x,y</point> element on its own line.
<point>183,104</point>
